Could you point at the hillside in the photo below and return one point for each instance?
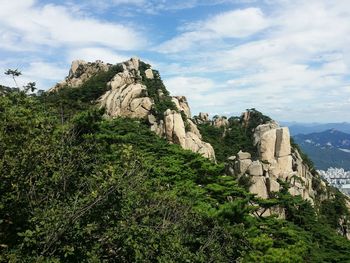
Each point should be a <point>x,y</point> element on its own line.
<point>327,149</point>
<point>108,167</point>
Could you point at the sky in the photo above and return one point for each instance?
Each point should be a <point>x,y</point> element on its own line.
<point>289,59</point>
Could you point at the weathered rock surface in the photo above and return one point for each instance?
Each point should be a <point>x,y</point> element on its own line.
<point>242,166</point>
<point>80,72</point>
<point>255,169</point>
<point>126,100</point>
<point>149,73</point>
<point>258,186</point>
<point>128,97</point>
<point>175,132</point>
<point>243,155</point>
<point>220,121</point>
<point>202,118</point>
<point>182,105</point>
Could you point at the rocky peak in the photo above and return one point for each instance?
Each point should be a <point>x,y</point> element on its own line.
<point>276,161</point>
<point>220,121</point>
<point>128,96</point>
<point>80,72</point>
<point>217,121</point>
<point>201,118</point>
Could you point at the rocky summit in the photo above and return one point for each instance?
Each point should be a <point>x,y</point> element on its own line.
<point>127,95</point>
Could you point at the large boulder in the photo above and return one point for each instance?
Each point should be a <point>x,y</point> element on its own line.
<point>243,155</point>
<point>258,187</point>
<point>282,147</point>
<point>174,127</point>
<point>175,132</point>
<point>267,144</point>
<point>255,169</point>
<point>126,100</point>
<point>182,105</point>
<point>149,73</point>
<point>241,166</point>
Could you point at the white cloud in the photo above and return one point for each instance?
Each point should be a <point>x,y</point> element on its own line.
<point>26,24</point>
<point>93,54</point>
<point>232,24</point>
<point>45,74</point>
<point>300,63</point>
<point>237,23</point>
<point>45,71</point>
<point>188,85</point>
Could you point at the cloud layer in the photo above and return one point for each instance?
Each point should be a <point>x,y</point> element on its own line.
<point>294,63</point>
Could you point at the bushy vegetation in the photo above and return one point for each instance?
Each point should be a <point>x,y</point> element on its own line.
<point>67,101</point>
<point>226,141</point>
<point>86,189</point>
<point>238,135</point>
<point>157,91</point>
<point>255,119</point>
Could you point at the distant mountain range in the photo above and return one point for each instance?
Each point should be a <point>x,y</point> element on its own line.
<point>306,128</point>
<point>330,148</point>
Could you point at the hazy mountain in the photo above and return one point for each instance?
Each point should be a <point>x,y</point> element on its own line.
<point>306,128</point>
<point>330,148</point>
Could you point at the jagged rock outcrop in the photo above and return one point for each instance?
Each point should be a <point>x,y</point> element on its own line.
<point>191,140</point>
<point>201,118</point>
<point>182,105</point>
<point>220,121</point>
<point>127,96</point>
<point>276,161</point>
<point>80,72</point>
<point>217,121</point>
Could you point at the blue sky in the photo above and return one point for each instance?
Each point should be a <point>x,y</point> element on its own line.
<point>287,58</point>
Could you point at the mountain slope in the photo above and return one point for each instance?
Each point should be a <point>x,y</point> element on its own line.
<point>80,186</point>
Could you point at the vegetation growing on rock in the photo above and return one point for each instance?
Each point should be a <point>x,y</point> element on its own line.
<point>157,91</point>
<point>76,187</point>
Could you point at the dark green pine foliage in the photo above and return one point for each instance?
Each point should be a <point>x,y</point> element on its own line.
<point>88,189</point>
<point>228,141</point>
<point>67,101</point>
<point>157,91</point>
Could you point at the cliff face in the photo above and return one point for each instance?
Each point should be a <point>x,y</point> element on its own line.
<point>128,96</point>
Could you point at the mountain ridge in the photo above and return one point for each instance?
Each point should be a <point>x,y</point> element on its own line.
<point>136,91</point>
<point>91,173</point>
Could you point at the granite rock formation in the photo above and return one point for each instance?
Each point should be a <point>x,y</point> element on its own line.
<point>127,96</point>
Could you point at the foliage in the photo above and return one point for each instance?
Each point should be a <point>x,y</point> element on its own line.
<point>304,156</point>
<point>226,141</point>
<point>157,91</point>
<point>87,189</point>
<point>14,73</point>
<point>67,101</point>
<point>256,118</point>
